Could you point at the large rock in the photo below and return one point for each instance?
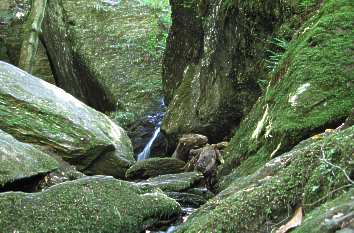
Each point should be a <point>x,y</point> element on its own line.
<point>13,20</point>
<point>97,204</point>
<point>20,161</point>
<point>312,173</point>
<point>215,62</point>
<point>37,112</point>
<point>300,100</point>
<point>188,142</point>
<point>173,182</point>
<point>120,73</point>
<point>154,167</point>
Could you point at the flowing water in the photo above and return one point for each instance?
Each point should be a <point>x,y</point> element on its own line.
<point>157,119</point>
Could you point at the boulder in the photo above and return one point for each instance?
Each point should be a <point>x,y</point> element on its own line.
<point>173,182</point>
<point>121,73</point>
<point>187,199</point>
<point>312,173</point>
<point>154,167</point>
<point>300,100</point>
<point>35,111</point>
<point>20,162</point>
<point>92,204</point>
<point>188,142</point>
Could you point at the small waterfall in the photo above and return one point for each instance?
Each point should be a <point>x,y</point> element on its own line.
<point>145,154</point>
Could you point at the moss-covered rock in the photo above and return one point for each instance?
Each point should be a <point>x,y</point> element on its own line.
<point>173,182</point>
<point>304,177</point>
<point>96,204</point>
<point>335,216</point>
<point>187,199</point>
<point>20,160</point>
<point>35,111</point>
<point>154,167</point>
<point>216,67</point>
<point>300,100</point>
<point>119,74</point>
<point>13,21</point>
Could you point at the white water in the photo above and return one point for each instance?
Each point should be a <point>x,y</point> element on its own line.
<point>157,119</point>
<point>145,154</point>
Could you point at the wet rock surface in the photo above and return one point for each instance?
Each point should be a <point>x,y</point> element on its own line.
<point>173,182</point>
<point>154,167</point>
<point>188,142</point>
<point>37,112</point>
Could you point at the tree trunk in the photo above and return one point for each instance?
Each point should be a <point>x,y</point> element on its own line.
<point>31,35</point>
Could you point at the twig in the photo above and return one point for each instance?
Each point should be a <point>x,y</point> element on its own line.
<point>323,159</point>
<point>330,193</point>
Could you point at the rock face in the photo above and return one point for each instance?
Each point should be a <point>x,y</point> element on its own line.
<point>37,112</point>
<point>13,20</point>
<point>223,63</point>
<point>119,73</point>
<point>19,161</point>
<point>300,100</point>
<point>301,177</point>
<point>97,204</point>
<point>154,167</point>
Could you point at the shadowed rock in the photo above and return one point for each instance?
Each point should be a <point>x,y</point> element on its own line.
<point>154,167</point>
<point>19,161</point>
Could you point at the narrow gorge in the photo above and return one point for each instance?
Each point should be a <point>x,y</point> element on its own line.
<point>177,116</point>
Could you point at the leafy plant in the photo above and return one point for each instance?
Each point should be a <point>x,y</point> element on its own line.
<point>280,46</point>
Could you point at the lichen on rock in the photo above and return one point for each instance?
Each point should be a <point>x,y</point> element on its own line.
<point>35,111</point>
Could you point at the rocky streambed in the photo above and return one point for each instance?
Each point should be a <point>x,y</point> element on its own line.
<point>257,134</point>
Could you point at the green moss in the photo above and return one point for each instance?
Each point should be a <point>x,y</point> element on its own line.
<point>262,201</point>
<point>155,167</point>
<point>19,160</point>
<point>122,74</point>
<point>173,182</point>
<point>36,112</point>
<point>324,219</point>
<point>300,100</point>
<point>97,204</point>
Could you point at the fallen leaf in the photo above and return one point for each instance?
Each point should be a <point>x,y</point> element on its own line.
<point>317,137</point>
<point>293,223</point>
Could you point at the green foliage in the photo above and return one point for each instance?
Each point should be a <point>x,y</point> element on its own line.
<point>160,24</point>
<point>280,46</point>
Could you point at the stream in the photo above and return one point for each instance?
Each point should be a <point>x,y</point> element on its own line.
<point>156,119</point>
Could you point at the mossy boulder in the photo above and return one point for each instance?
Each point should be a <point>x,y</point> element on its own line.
<point>334,216</point>
<point>20,161</point>
<point>95,204</point>
<point>35,111</point>
<point>173,182</point>
<point>307,176</point>
<point>300,100</point>
<point>215,64</point>
<point>154,167</point>
<point>119,74</point>
<point>13,24</point>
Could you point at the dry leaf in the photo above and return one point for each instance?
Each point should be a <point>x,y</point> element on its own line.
<point>294,222</point>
